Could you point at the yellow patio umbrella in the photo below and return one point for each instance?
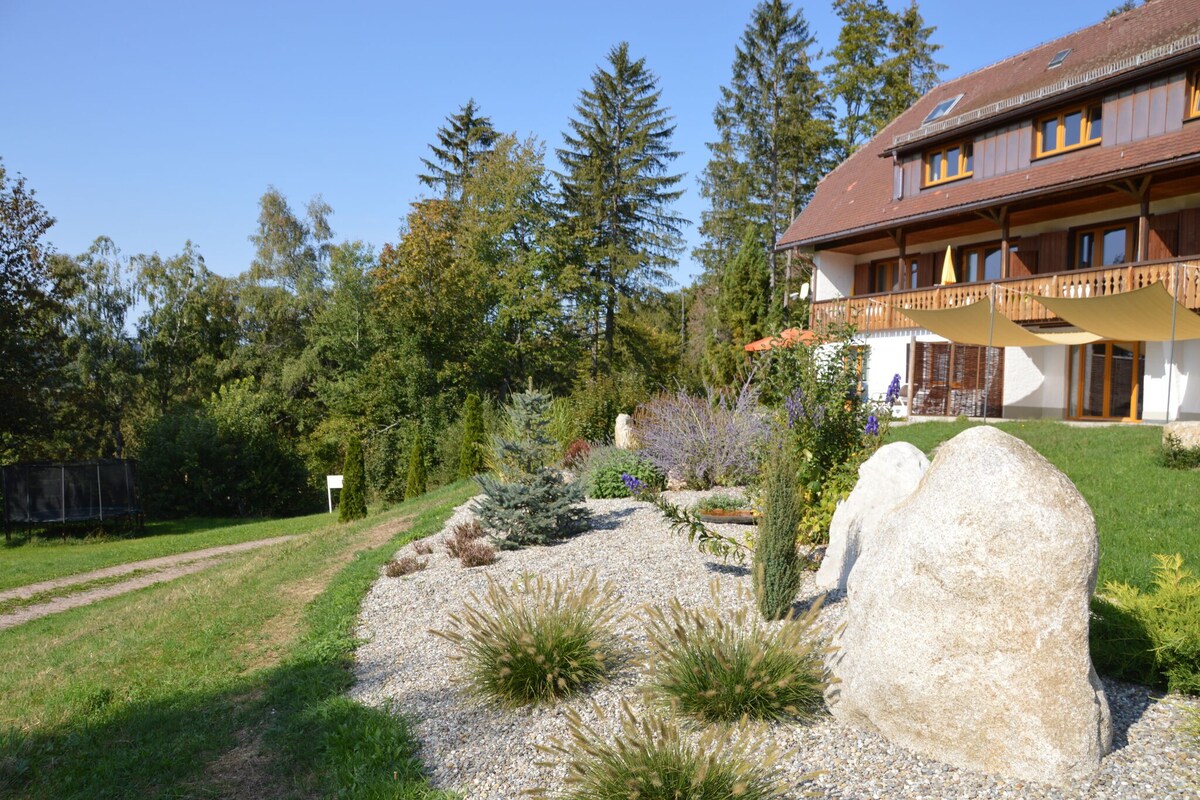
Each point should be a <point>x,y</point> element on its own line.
<point>948,268</point>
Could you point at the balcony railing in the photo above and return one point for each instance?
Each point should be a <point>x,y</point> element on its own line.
<point>882,311</point>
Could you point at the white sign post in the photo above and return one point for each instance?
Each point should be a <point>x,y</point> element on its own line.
<point>332,482</point>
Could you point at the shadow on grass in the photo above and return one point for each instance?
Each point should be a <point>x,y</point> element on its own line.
<point>312,741</point>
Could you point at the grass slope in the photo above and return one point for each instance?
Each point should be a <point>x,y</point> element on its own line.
<point>227,683</point>
<point>1141,507</point>
<point>44,559</point>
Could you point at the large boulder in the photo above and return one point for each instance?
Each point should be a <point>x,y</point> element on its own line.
<point>884,479</point>
<point>966,634</point>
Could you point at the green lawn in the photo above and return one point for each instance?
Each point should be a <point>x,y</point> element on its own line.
<point>227,683</point>
<point>1141,507</point>
<point>25,562</point>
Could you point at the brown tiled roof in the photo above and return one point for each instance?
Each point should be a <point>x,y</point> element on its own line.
<point>857,196</point>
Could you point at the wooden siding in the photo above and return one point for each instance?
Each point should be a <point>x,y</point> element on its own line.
<point>1140,112</point>
<point>1189,231</point>
<point>1052,251</point>
<point>1164,237</point>
<point>879,312</point>
<point>1003,151</point>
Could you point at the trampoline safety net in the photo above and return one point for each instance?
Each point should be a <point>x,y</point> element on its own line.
<point>70,492</point>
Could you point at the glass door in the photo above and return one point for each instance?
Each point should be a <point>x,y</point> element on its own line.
<point>1106,379</point>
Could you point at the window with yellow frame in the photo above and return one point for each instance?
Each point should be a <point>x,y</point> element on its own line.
<point>950,163</point>
<point>1193,109</point>
<point>1069,129</point>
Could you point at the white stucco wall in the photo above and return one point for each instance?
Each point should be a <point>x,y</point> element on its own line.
<point>1035,382</point>
<point>833,275</point>
<point>1183,380</point>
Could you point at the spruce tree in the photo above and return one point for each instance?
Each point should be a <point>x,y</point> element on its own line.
<point>742,307</point>
<point>777,570</point>
<point>414,486</point>
<point>527,503</point>
<point>617,192</point>
<point>470,456</point>
<point>352,504</point>
<point>462,142</point>
<point>912,69</point>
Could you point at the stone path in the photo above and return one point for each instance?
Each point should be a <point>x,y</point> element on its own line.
<point>163,569</point>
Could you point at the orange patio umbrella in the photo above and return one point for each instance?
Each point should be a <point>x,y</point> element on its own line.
<point>785,339</point>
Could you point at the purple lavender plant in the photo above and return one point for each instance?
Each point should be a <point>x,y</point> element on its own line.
<point>872,428</point>
<point>706,440</point>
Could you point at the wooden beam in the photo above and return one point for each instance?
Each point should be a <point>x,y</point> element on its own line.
<point>897,235</point>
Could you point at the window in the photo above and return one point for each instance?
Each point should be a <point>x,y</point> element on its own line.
<point>951,163</point>
<point>981,262</point>
<point>1069,130</point>
<point>941,109</point>
<point>1193,109</point>
<point>886,276</point>
<point>1059,58</point>
<point>1103,246</point>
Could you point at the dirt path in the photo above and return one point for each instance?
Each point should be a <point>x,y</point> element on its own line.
<point>163,569</point>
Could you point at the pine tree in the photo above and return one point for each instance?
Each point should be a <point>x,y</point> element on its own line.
<point>742,307</point>
<point>912,70</point>
<point>352,504</point>
<point>414,486</point>
<point>777,570</point>
<point>617,191</point>
<point>858,72</point>
<point>462,141</point>
<point>470,457</point>
<point>527,503</point>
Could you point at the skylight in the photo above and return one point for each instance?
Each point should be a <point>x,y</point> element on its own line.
<point>1059,57</point>
<point>941,109</point>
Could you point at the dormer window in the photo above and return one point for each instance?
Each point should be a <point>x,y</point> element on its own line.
<point>1069,129</point>
<point>942,109</point>
<point>950,163</point>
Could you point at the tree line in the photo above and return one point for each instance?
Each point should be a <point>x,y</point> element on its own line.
<point>238,394</point>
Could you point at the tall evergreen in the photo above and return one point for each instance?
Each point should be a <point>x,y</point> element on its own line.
<point>352,504</point>
<point>618,191</point>
<point>461,142</point>
<point>470,457</point>
<point>912,69</point>
<point>881,64</point>
<point>415,484</point>
<point>742,307</point>
<point>777,569</point>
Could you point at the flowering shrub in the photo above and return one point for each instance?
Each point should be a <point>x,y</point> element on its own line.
<point>715,439</point>
<point>602,475</point>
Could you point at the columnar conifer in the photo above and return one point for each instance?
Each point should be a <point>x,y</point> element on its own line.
<point>353,502</point>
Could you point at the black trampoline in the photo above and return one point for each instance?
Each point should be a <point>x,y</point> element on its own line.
<point>46,493</point>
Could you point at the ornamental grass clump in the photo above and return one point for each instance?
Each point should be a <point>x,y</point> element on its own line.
<point>724,668</point>
<point>537,641</point>
<point>650,758</point>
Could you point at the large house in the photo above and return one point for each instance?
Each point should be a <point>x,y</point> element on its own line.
<point>1047,205</point>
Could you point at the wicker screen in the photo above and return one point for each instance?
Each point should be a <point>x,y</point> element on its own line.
<point>957,380</point>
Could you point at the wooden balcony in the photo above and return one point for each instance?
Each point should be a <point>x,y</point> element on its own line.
<point>880,312</point>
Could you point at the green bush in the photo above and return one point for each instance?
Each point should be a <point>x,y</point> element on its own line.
<point>777,569</point>
<point>470,458</point>
<point>1151,637</point>
<point>352,504</point>
<point>722,502</point>
<point>537,641</point>
<point>415,483</point>
<point>1176,456</point>
<point>720,669</point>
<point>601,474</point>
<point>652,759</point>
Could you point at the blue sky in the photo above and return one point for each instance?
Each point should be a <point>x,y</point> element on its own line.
<point>158,122</point>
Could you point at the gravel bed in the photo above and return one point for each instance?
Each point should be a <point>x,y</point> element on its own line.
<point>490,754</point>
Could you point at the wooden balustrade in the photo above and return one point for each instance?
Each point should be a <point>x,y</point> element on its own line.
<point>883,311</point>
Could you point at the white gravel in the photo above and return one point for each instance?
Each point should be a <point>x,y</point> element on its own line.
<point>489,754</point>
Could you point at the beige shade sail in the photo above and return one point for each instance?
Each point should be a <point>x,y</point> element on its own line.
<point>1143,315</point>
<point>976,324</point>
